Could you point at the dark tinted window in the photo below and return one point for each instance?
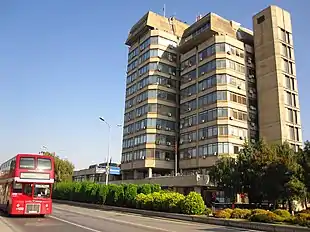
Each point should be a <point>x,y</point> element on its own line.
<point>261,19</point>
<point>44,164</point>
<point>17,187</point>
<point>26,163</point>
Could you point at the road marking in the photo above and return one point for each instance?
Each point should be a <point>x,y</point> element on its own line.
<point>75,224</point>
<point>118,221</point>
<point>156,218</point>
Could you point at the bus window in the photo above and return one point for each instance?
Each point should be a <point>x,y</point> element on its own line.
<point>17,188</point>
<point>44,164</point>
<point>26,163</point>
<point>28,189</point>
<point>42,190</point>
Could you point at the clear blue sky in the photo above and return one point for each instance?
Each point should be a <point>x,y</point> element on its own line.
<point>63,64</point>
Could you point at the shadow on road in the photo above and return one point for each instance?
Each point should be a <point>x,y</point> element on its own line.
<point>223,229</point>
<point>3,214</point>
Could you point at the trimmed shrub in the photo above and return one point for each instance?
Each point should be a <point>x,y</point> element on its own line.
<point>103,192</point>
<point>302,219</point>
<point>259,211</point>
<point>269,217</point>
<point>144,188</point>
<point>208,212</point>
<point>193,204</point>
<point>241,213</point>
<point>224,213</point>
<point>130,193</point>
<point>282,213</point>
<point>155,188</point>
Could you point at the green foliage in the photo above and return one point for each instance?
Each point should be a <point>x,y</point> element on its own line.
<point>193,204</point>
<point>282,213</point>
<point>63,168</point>
<point>145,188</point>
<point>241,213</point>
<point>259,211</point>
<point>265,172</point>
<point>302,219</point>
<point>208,212</point>
<point>224,213</point>
<point>268,217</point>
<point>130,193</point>
<point>146,196</point>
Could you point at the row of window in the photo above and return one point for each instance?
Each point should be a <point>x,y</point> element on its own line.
<point>147,154</point>
<point>198,31</point>
<point>148,94</point>
<point>159,139</point>
<point>150,108</point>
<point>211,50</point>
<point>152,53</point>
<point>148,42</point>
<point>210,66</point>
<point>218,79</point>
<point>161,67</point>
<point>212,132</point>
<point>211,115</point>
<point>160,124</point>
<point>151,80</point>
<point>209,150</point>
<point>211,98</point>
<point>27,163</point>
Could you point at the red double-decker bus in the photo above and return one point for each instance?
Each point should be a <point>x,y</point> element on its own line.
<point>26,185</point>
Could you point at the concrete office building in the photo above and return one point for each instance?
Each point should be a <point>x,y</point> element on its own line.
<point>198,91</point>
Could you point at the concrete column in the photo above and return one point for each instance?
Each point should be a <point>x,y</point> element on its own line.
<point>150,173</point>
<point>135,174</point>
<point>197,189</point>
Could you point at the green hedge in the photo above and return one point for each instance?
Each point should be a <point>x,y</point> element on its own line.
<point>145,196</point>
<point>261,215</point>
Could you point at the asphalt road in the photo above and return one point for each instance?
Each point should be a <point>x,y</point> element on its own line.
<point>75,219</point>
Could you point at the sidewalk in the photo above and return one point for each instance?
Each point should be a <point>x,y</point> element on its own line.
<point>4,227</point>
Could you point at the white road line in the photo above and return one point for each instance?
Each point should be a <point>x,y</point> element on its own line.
<point>75,224</point>
<point>113,220</point>
<point>155,218</point>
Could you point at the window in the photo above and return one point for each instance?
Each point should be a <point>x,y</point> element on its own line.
<point>290,115</point>
<point>188,63</point>
<point>291,133</point>
<point>288,66</point>
<point>17,187</point>
<point>26,163</point>
<point>189,91</point>
<point>27,189</point>
<point>260,19</point>
<point>44,164</point>
<point>42,190</point>
<point>284,50</point>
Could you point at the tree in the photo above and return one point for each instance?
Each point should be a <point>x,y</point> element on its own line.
<point>283,180</point>
<point>304,161</point>
<point>264,172</point>
<point>226,176</point>
<point>63,168</point>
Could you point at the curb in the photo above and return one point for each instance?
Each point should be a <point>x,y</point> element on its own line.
<point>200,219</point>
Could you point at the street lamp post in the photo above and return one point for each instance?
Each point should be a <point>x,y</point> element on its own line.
<point>107,169</point>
